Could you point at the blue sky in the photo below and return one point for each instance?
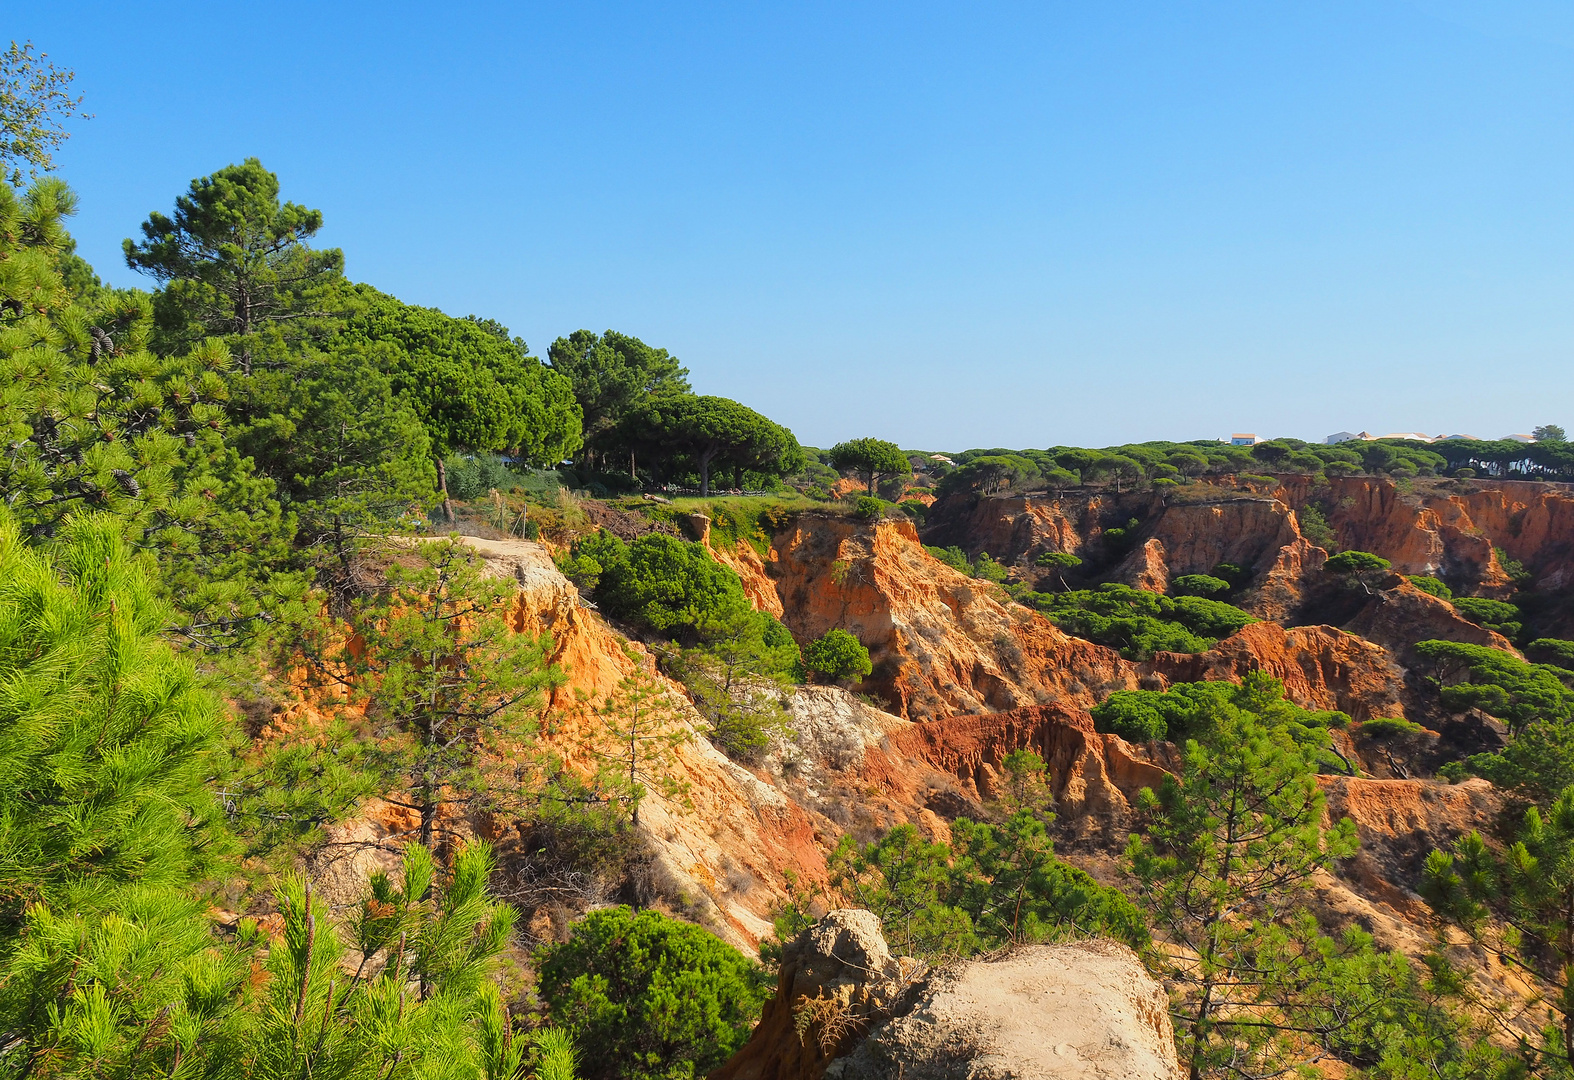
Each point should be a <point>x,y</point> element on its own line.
<point>948,225</point>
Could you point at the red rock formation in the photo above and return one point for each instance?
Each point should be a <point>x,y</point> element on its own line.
<point>1398,615</point>
<point>1321,667</point>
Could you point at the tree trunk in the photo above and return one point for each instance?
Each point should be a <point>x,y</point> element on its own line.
<point>442,485</point>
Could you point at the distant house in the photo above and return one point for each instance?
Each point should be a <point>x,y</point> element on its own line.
<point>1244,440</point>
<point>1346,436</point>
<point>1413,435</point>
<point>1451,438</point>
<point>1517,438</point>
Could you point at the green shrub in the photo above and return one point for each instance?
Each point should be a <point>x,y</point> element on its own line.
<point>954,557</point>
<point>671,586</point>
<point>870,508</point>
<point>1491,614</point>
<point>472,477</point>
<point>1140,623</point>
<point>1315,527</point>
<point>1428,584</point>
<point>1387,727</point>
<point>647,997</point>
<point>1552,651</point>
<point>1194,710</point>
<point>987,569</point>
<point>838,655</point>
<point>994,884</point>
<point>1199,585</point>
<point>914,509</point>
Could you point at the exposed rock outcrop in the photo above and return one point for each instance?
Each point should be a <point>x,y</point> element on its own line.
<point>837,979</point>
<point>844,1008</point>
<point>1321,667</point>
<point>941,642</point>
<point>1398,615</point>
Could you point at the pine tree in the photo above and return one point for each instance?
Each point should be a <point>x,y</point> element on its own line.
<point>234,261</point>
<point>1228,850</point>
<point>1520,903</point>
<point>97,423</point>
<point>639,728</point>
<point>107,742</point>
<point>449,689</point>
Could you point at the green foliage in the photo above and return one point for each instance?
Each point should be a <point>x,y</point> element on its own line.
<point>1059,562</point>
<point>448,687</point>
<point>1387,727</point>
<point>35,101</point>
<point>871,460</point>
<point>990,474</point>
<point>1431,585</point>
<point>472,476</point>
<point>1199,585</point>
<point>1527,887</point>
<point>1531,699</point>
<point>1553,651</point>
<point>1315,527</point>
<point>1140,623</point>
<point>349,457</point>
<point>954,557</point>
<point>646,997</point>
<point>611,374</point>
<point>737,679</point>
<point>1515,569</point>
<point>995,884</point>
<point>1356,562</point>
<point>671,586</point>
<point>556,1058</point>
<point>1478,677</point>
<point>1197,710</point>
<point>234,261</point>
<point>869,508</point>
<point>638,729</point>
<point>985,568</point>
<point>474,389</point>
<point>96,423</point>
<point>674,433</point>
<point>1227,852</point>
<point>1491,614</point>
<point>838,656</point>
<point>106,742</point>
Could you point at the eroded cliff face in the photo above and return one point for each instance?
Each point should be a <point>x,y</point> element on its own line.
<point>941,642</point>
<point>945,644</point>
<point>1430,530</point>
<point>1321,667</point>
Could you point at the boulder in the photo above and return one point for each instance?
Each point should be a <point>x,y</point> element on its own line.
<point>845,1009</point>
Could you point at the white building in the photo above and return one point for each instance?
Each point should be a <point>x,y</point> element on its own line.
<point>1517,438</point>
<point>1244,440</point>
<point>1346,436</point>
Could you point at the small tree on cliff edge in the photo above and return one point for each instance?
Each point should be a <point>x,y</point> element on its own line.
<point>446,681</point>
<point>838,655</point>
<point>1530,888</point>
<point>1226,850</point>
<point>872,459</point>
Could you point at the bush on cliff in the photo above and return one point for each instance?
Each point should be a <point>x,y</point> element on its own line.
<point>1195,710</point>
<point>837,655</point>
<point>660,582</point>
<point>646,997</point>
<point>993,885</point>
<point>1490,614</point>
<point>1140,623</point>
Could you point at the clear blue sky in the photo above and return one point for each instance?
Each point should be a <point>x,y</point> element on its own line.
<point>948,225</point>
